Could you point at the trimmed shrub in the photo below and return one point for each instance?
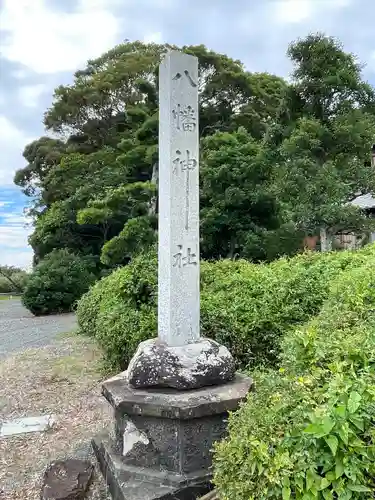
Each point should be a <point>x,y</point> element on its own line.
<point>247,307</point>
<point>120,310</point>
<point>56,283</point>
<point>308,430</point>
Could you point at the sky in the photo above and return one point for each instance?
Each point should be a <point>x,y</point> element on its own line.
<point>42,43</point>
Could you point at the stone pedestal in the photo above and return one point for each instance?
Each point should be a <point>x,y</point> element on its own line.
<point>162,441</point>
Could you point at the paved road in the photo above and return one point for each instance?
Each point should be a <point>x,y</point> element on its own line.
<point>20,330</point>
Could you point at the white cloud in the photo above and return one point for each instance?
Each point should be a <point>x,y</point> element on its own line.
<point>29,94</point>
<point>15,228</point>
<point>14,219</point>
<point>21,258</point>
<point>19,74</point>
<point>156,37</point>
<point>340,3</point>
<point>293,11</point>
<point>9,133</point>
<point>12,143</point>
<point>46,41</point>
<point>14,236</point>
<point>14,233</point>
<point>299,11</point>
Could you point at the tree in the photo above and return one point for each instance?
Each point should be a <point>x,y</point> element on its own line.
<point>279,160</point>
<point>129,206</point>
<point>321,160</point>
<point>237,206</point>
<point>57,282</point>
<point>109,117</point>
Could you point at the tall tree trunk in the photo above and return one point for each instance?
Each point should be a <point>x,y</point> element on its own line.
<point>232,248</point>
<point>154,180</point>
<point>325,240</point>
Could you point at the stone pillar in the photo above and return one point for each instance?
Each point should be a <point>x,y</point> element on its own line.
<point>178,259</point>
<point>179,358</point>
<point>172,403</point>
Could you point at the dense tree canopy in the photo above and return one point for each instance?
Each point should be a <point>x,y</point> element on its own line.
<point>278,160</point>
<point>322,145</point>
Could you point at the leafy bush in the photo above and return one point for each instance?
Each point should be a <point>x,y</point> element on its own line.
<point>56,283</point>
<point>247,307</point>
<point>308,431</point>
<point>120,310</point>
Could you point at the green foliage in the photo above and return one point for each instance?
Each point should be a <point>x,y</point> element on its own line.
<point>120,310</point>
<point>12,279</point>
<point>4,285</point>
<point>308,430</point>
<point>321,146</point>
<point>243,206</point>
<point>57,282</point>
<point>137,236</point>
<point>245,306</point>
<point>109,116</point>
<point>279,160</point>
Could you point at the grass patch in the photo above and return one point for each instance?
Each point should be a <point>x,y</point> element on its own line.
<point>10,296</point>
<point>66,335</point>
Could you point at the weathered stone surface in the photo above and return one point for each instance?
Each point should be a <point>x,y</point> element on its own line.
<point>178,262</point>
<point>67,480</point>
<point>126,482</point>
<point>173,430</point>
<point>181,428</point>
<point>172,404</point>
<point>26,425</point>
<point>204,363</point>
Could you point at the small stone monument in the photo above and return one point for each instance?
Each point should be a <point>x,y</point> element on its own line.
<point>172,403</point>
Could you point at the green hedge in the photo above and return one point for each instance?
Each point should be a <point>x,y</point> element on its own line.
<point>247,307</point>
<point>308,430</point>
<point>57,282</point>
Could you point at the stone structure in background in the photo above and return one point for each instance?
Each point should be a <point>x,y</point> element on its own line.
<point>172,403</point>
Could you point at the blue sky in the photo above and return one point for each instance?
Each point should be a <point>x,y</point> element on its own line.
<point>42,42</point>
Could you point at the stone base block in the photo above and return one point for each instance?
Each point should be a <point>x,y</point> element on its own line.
<point>127,482</point>
<point>162,440</point>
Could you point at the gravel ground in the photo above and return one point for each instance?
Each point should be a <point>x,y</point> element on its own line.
<point>62,379</point>
<point>19,329</point>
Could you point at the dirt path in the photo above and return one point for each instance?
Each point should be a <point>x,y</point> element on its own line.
<point>20,330</point>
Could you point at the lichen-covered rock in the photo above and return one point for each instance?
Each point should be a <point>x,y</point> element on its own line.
<point>67,480</point>
<point>204,363</point>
